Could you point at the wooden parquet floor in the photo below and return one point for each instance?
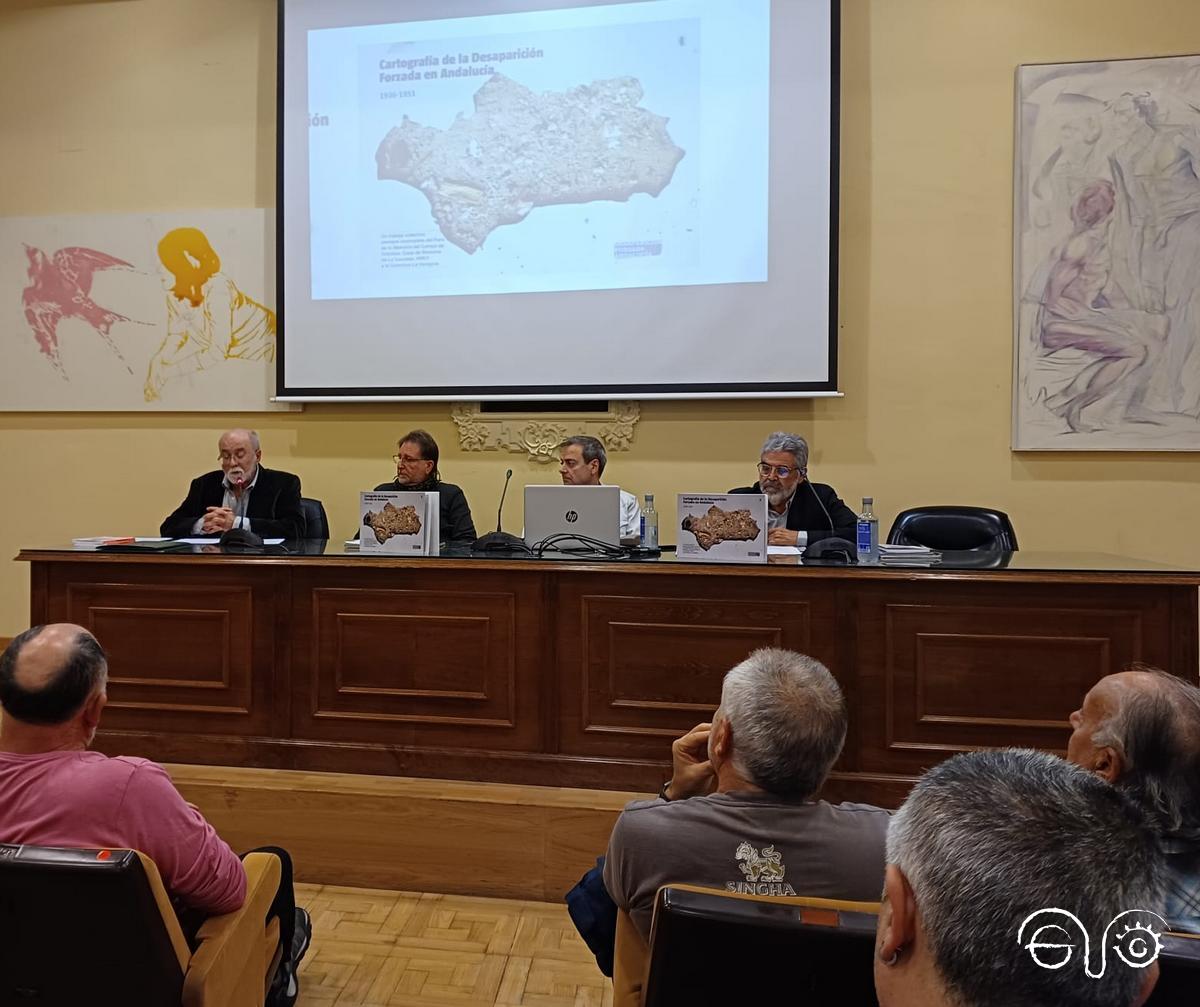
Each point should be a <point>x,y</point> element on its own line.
<point>374,948</point>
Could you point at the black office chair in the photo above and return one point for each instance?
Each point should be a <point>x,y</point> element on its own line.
<point>954,528</point>
<point>828,948</point>
<point>96,927</point>
<point>315,522</point>
<point>1178,972</point>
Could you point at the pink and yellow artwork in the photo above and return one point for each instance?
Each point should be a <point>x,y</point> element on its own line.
<point>138,311</point>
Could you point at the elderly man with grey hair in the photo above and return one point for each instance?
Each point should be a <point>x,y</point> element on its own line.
<point>240,494</point>
<point>1013,880</point>
<point>798,511</point>
<point>1140,730</point>
<point>740,810</point>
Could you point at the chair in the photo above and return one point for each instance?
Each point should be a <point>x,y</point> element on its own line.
<point>827,945</point>
<point>1178,972</point>
<point>954,528</point>
<point>97,927</point>
<point>316,524</point>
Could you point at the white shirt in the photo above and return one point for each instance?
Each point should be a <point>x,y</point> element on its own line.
<point>631,516</point>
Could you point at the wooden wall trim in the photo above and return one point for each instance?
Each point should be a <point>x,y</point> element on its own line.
<point>480,839</point>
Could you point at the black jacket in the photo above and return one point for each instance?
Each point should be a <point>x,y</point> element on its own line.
<point>455,521</point>
<point>273,508</point>
<point>806,514</point>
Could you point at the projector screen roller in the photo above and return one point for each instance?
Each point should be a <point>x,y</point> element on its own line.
<point>490,199</point>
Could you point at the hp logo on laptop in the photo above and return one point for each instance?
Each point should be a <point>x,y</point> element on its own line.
<point>572,516</point>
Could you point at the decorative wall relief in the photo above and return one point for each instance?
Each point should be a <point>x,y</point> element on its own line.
<point>539,436</point>
<point>1107,256</point>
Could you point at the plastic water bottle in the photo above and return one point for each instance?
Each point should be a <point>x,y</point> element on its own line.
<point>868,534</point>
<point>649,524</point>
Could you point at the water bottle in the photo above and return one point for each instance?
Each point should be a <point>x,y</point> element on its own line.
<point>649,524</point>
<point>868,534</point>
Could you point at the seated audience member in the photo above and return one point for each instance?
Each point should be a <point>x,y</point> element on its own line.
<point>1140,730</point>
<point>581,462</point>
<point>739,811</point>
<point>798,511</point>
<point>417,471</point>
<point>985,841</point>
<point>54,792</point>
<point>242,494</point>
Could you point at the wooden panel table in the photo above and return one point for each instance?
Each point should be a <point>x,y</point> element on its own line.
<point>579,673</point>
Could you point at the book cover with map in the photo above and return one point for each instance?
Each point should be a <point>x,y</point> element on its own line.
<point>722,527</point>
<point>399,523</point>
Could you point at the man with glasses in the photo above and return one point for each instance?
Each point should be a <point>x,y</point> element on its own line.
<point>798,511</point>
<point>417,471</point>
<point>241,494</point>
<point>581,461</point>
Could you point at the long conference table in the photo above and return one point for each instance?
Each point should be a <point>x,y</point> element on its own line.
<point>578,672</point>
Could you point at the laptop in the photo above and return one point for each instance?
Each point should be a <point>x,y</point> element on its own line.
<point>593,511</point>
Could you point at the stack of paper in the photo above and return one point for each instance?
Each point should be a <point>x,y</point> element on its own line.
<point>908,555</point>
<point>96,541</point>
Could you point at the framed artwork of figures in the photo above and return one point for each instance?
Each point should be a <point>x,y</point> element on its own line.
<point>1107,256</point>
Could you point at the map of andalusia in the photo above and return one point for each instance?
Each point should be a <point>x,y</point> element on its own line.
<point>520,150</point>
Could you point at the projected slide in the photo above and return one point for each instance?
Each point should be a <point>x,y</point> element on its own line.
<point>520,150</point>
<point>583,149</point>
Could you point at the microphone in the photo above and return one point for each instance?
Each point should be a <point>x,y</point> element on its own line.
<point>239,512</point>
<point>813,490</point>
<point>503,492</point>
<point>831,551</point>
<point>500,541</point>
<point>240,539</point>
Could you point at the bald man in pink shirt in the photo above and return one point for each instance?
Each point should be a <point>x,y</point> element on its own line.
<point>54,792</point>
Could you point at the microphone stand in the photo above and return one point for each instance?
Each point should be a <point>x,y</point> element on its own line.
<point>499,540</point>
<point>240,539</point>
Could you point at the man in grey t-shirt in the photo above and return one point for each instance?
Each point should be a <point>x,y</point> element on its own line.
<point>738,813</point>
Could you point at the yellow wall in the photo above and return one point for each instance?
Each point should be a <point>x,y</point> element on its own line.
<point>97,118</point>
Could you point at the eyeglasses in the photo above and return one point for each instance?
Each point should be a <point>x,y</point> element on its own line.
<point>236,456</point>
<point>783,471</point>
<point>406,459</point>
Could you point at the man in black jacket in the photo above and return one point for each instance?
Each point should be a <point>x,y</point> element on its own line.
<point>798,512</point>
<point>242,494</point>
<point>417,470</point>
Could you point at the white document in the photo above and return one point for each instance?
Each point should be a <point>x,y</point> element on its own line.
<point>784,550</point>
<point>399,523</point>
<point>212,540</point>
<point>722,527</point>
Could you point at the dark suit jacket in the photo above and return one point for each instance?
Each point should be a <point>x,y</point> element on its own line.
<point>273,507</point>
<point>805,513</point>
<point>455,513</point>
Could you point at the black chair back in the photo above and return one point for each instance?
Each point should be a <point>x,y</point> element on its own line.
<point>316,524</point>
<point>82,927</point>
<point>788,955</point>
<point>1178,972</point>
<point>954,528</point>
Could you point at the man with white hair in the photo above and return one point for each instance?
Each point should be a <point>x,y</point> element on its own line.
<point>739,811</point>
<point>798,511</point>
<point>1015,879</point>
<point>1140,730</point>
<point>240,494</point>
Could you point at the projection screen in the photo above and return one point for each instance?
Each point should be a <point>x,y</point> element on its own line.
<point>504,199</point>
